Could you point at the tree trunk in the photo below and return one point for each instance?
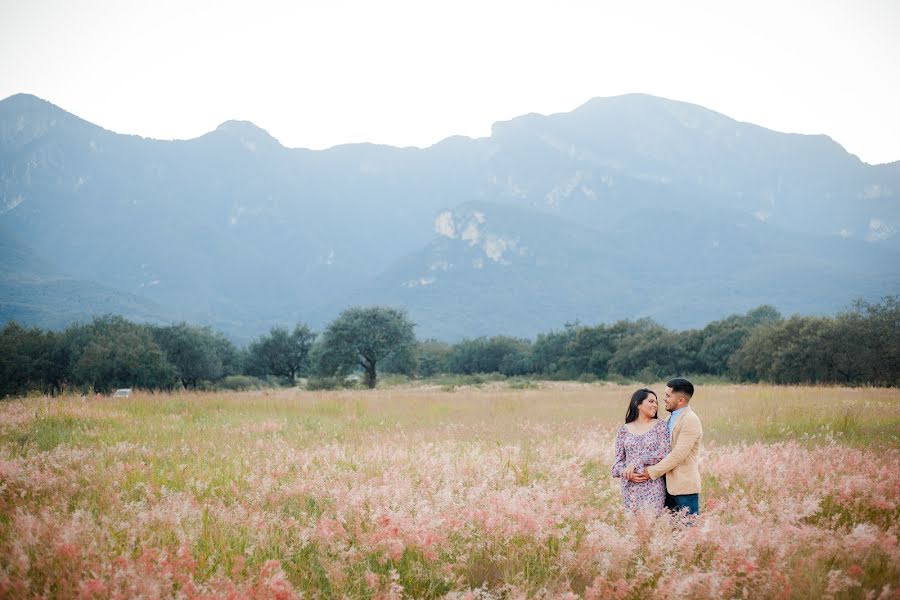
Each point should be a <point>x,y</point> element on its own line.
<point>370,375</point>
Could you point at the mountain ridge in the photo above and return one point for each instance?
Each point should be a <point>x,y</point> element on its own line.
<point>235,230</point>
<point>23,97</point>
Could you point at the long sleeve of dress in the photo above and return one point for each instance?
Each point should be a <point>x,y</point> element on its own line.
<point>619,462</point>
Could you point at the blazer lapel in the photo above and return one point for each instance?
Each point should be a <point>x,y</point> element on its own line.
<point>677,429</point>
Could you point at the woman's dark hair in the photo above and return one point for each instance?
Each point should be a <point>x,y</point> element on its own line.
<point>637,399</point>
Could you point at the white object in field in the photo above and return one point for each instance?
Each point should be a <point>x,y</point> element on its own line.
<point>123,393</point>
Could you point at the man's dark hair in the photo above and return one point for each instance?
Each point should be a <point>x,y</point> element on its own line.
<point>681,385</point>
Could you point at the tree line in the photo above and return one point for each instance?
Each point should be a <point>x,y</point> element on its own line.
<point>860,346</point>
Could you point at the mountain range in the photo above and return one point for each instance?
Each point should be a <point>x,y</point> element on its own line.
<point>626,207</point>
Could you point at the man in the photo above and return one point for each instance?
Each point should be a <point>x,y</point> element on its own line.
<point>680,465</point>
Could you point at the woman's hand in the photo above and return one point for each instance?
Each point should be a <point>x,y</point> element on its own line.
<point>629,475</point>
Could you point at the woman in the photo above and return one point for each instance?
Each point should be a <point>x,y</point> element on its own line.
<point>642,441</point>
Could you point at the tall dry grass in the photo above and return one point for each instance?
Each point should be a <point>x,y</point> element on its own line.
<point>423,492</point>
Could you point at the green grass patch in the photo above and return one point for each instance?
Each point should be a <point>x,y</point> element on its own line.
<point>47,431</point>
<point>834,513</point>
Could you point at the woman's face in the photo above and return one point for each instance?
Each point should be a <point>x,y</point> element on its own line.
<point>649,407</point>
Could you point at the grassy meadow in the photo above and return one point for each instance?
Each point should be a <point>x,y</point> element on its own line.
<point>496,491</point>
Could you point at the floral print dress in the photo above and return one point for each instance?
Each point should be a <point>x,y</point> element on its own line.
<point>642,451</point>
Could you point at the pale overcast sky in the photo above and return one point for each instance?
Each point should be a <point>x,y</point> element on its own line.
<point>317,74</point>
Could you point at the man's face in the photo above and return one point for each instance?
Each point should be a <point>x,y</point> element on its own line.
<point>674,400</point>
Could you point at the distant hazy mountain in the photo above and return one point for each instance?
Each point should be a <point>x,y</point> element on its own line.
<point>625,207</point>
<point>35,292</point>
<point>541,271</point>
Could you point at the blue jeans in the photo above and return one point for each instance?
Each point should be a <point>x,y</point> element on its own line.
<point>691,502</point>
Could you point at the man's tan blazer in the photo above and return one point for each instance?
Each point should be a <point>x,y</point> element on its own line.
<point>680,465</point>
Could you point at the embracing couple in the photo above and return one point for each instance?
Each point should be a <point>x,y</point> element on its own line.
<point>656,459</point>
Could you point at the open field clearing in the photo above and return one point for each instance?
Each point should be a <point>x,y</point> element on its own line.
<point>427,492</point>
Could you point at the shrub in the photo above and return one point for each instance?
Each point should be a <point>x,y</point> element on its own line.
<point>523,384</point>
<point>243,382</point>
<point>331,383</point>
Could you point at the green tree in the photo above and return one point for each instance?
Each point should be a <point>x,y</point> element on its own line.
<point>864,344</point>
<point>723,338</point>
<point>197,353</point>
<point>589,352</point>
<point>111,352</point>
<point>282,353</point>
<point>431,357</point>
<point>632,348</point>
<point>402,362</point>
<point>364,337</point>
<point>882,330</point>
<point>551,352</point>
<point>641,347</point>
<point>498,354</point>
<point>789,351</point>
<point>29,360</point>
